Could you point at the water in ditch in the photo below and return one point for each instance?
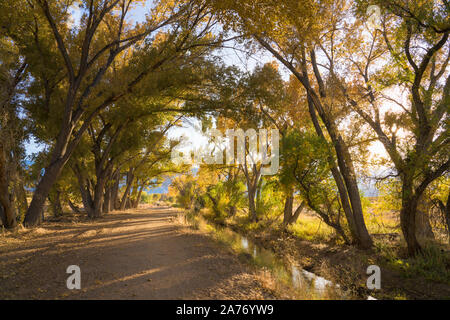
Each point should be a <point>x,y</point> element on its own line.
<point>309,285</point>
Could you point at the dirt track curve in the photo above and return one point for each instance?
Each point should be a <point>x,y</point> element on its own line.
<point>139,254</point>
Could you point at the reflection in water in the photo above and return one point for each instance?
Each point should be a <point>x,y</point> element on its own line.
<point>244,243</point>
<point>320,283</point>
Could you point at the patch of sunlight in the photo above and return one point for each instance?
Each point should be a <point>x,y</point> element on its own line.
<point>99,284</point>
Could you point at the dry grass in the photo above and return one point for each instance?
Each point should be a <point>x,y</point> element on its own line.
<point>312,228</point>
<point>314,246</point>
<point>275,278</point>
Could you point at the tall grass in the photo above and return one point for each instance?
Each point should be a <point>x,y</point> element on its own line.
<point>431,264</point>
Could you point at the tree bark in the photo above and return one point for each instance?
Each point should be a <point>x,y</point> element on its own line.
<point>447,215</point>
<point>98,196</point>
<point>107,200</point>
<point>85,192</point>
<point>214,203</point>
<point>290,216</point>
<point>408,218</point>
<point>232,211</point>
<point>130,178</point>
<point>347,171</point>
<point>128,204</point>
<point>134,192</point>
<point>139,195</point>
<point>73,207</point>
<point>52,172</point>
<point>8,210</point>
<point>55,202</point>
<point>115,191</point>
<point>2,216</point>
<point>297,213</point>
<point>21,197</point>
<point>424,230</point>
<point>252,187</point>
<point>5,196</point>
<point>252,204</point>
<point>288,207</point>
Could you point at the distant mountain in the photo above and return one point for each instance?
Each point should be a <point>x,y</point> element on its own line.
<point>164,188</point>
<point>368,189</point>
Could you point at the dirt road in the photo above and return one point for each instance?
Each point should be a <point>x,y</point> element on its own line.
<point>139,254</point>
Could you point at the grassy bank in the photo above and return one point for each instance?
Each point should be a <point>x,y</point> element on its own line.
<point>313,246</point>
<point>274,273</point>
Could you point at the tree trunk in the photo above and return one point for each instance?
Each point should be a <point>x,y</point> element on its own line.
<point>253,185</point>
<point>139,195</point>
<point>232,211</point>
<point>127,204</point>
<point>88,203</point>
<point>408,219</point>
<point>424,229</point>
<point>98,197</point>
<point>447,215</point>
<point>297,212</point>
<point>348,173</point>
<point>342,189</point>
<point>55,202</point>
<point>8,210</point>
<point>36,209</point>
<point>5,197</point>
<point>85,192</point>
<point>21,197</point>
<point>107,200</point>
<point>445,210</point>
<point>2,216</point>
<point>130,178</point>
<point>214,203</point>
<point>112,201</point>
<point>73,207</point>
<point>291,217</point>
<point>344,160</point>
<point>115,191</point>
<point>59,157</point>
<point>288,207</point>
<point>251,203</point>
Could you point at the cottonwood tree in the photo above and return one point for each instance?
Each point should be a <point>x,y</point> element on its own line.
<point>283,108</point>
<point>408,54</point>
<point>254,91</point>
<point>290,30</point>
<point>70,61</point>
<point>306,165</point>
<point>131,137</point>
<point>13,132</point>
